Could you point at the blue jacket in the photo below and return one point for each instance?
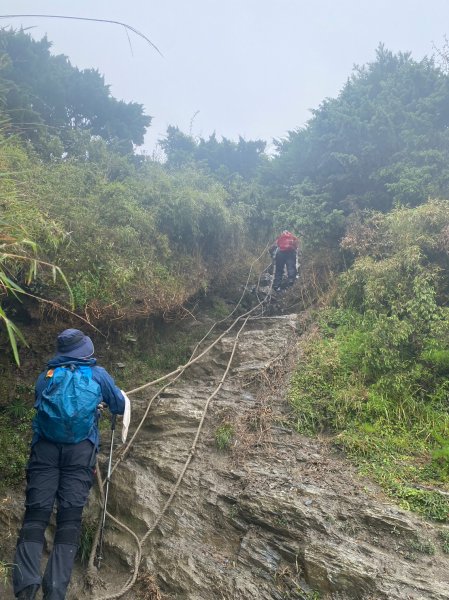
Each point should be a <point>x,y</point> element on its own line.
<point>110,393</point>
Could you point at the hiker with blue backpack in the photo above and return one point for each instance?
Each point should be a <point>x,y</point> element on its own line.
<point>62,461</point>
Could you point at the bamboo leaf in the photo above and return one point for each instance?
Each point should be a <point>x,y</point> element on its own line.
<point>64,279</point>
<point>10,285</point>
<point>14,334</point>
<point>30,243</point>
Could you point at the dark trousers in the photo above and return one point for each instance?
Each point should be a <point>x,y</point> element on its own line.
<point>61,472</point>
<point>286,258</point>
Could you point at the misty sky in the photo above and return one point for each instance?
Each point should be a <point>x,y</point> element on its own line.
<point>250,67</point>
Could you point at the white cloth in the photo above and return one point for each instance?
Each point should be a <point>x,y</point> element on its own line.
<point>126,417</point>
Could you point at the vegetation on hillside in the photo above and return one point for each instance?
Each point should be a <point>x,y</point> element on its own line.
<point>137,238</point>
<point>376,374</point>
<point>132,236</point>
<point>130,240</point>
<point>383,141</point>
<point>50,103</point>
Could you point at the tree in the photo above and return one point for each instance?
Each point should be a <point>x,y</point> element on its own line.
<point>223,158</point>
<point>383,140</point>
<point>43,95</point>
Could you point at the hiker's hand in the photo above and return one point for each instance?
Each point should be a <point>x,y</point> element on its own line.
<point>101,406</point>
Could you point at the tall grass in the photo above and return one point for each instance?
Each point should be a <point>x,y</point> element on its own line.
<point>376,375</point>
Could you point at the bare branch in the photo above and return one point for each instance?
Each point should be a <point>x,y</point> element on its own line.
<point>136,31</point>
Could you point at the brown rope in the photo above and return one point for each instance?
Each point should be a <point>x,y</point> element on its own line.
<point>175,374</point>
<point>138,556</point>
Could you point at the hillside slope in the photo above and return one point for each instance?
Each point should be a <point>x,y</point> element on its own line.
<point>277,516</point>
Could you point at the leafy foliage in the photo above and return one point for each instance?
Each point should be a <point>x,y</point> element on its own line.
<point>377,374</point>
<point>18,255</point>
<point>381,142</point>
<point>312,213</point>
<point>223,158</point>
<point>132,240</point>
<point>133,237</point>
<point>50,102</point>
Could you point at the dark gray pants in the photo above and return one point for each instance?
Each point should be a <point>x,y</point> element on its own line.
<point>286,258</point>
<point>61,472</point>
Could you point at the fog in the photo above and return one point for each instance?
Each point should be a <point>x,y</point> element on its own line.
<point>253,68</point>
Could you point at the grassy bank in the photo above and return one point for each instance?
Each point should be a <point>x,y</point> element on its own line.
<point>375,373</point>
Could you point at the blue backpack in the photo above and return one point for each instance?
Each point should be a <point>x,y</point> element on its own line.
<point>67,408</point>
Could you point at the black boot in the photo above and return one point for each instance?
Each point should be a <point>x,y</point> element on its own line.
<point>28,593</point>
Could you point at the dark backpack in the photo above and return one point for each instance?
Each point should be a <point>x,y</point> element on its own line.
<point>67,408</point>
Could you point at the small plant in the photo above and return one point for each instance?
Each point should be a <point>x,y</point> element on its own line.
<point>18,409</point>
<point>289,584</point>
<point>281,520</point>
<point>88,529</point>
<point>423,547</point>
<point>219,308</point>
<point>444,536</point>
<point>223,436</point>
<point>5,572</point>
<point>147,587</point>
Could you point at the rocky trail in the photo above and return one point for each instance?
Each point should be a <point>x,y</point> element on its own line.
<point>275,516</point>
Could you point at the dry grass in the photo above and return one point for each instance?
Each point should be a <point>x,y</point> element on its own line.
<point>8,531</point>
<point>5,517</point>
<point>254,426</point>
<point>146,588</point>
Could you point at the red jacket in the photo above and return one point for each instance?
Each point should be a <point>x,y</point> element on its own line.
<point>287,241</point>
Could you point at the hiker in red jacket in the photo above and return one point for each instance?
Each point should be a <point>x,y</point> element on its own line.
<point>285,249</point>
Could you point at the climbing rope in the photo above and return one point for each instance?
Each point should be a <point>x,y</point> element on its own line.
<point>140,542</point>
<point>191,360</point>
<point>172,377</point>
<point>178,372</point>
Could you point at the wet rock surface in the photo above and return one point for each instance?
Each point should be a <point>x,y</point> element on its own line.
<point>276,516</point>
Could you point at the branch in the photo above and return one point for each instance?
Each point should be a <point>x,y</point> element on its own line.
<point>136,31</point>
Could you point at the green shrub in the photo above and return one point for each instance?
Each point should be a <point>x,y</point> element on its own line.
<point>133,244</point>
<point>437,359</point>
<point>224,435</point>
<point>376,375</point>
<point>424,547</point>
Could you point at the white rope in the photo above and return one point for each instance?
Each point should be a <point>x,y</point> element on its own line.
<point>175,375</point>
